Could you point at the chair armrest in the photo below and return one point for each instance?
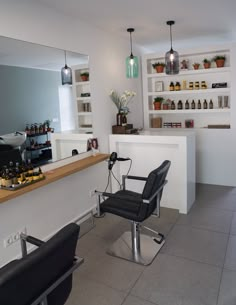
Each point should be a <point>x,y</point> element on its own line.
<point>134,177</point>
<point>116,196</point>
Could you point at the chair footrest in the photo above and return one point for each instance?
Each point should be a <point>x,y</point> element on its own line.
<point>149,247</point>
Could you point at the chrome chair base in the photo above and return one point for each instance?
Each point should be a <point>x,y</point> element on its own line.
<point>149,247</point>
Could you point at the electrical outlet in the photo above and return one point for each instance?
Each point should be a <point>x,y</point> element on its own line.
<point>14,237</point>
<point>92,192</point>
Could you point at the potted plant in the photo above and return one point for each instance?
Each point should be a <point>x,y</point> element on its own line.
<point>47,124</point>
<point>196,66</point>
<point>219,60</point>
<point>84,76</point>
<point>157,102</point>
<point>206,63</point>
<point>159,66</point>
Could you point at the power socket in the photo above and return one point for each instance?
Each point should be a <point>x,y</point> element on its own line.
<point>14,237</point>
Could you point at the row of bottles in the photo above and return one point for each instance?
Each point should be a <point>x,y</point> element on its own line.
<point>191,105</point>
<point>12,175</point>
<point>35,129</point>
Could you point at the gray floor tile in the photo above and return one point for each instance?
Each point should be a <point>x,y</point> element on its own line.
<point>196,244</point>
<point>177,281</point>
<point>111,271</point>
<point>87,292</point>
<point>230,259</point>
<point>227,295</point>
<point>208,218</point>
<point>233,225</point>
<point>225,203</point>
<point>164,223</point>
<point>131,300</point>
<point>212,192</point>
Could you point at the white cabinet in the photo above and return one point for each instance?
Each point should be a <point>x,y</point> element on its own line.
<point>157,85</point>
<point>82,99</point>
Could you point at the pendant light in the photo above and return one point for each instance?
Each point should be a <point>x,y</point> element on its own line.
<point>66,74</point>
<point>171,57</point>
<point>131,61</point>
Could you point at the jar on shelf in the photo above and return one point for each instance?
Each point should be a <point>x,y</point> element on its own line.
<point>196,85</point>
<point>190,86</point>
<point>203,85</point>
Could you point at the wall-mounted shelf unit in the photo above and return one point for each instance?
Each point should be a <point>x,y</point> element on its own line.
<point>157,85</point>
<point>82,98</point>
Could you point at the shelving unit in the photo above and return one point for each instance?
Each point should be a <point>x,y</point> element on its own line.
<point>40,151</point>
<point>201,117</point>
<point>82,98</point>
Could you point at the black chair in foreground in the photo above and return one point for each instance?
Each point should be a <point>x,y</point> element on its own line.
<point>136,207</point>
<point>44,276</point>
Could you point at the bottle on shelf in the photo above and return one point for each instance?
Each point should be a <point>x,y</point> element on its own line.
<point>27,130</point>
<point>199,106</point>
<point>172,106</point>
<point>177,86</point>
<point>171,86</point>
<point>7,177</point>
<point>193,106</point>
<point>186,104</point>
<point>180,105</point>
<point>205,106</point>
<point>211,104</point>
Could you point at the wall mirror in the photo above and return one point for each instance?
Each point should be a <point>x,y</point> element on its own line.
<point>31,89</point>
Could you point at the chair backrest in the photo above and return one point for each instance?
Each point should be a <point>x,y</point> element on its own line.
<point>24,280</point>
<point>154,181</point>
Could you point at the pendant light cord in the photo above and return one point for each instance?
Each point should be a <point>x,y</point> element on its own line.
<point>65,59</point>
<point>131,54</point>
<point>170,37</point>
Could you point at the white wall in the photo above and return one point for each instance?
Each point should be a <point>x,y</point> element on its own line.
<point>47,209</point>
<point>23,20</point>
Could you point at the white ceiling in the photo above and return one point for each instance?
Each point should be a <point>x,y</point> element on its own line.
<point>195,19</point>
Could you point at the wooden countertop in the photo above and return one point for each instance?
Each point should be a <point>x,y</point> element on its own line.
<point>54,175</point>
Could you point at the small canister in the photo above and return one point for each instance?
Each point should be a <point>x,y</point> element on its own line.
<point>196,85</point>
<point>184,85</point>
<point>203,85</point>
<point>190,86</point>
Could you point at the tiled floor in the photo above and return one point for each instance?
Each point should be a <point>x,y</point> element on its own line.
<point>196,266</point>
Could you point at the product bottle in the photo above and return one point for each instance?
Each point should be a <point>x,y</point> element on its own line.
<point>177,86</point>
<point>171,86</point>
<point>180,105</point>
<point>172,106</point>
<point>8,180</point>
<point>205,104</point>
<point>199,106</point>
<point>186,104</point>
<point>211,105</point>
<point>193,105</point>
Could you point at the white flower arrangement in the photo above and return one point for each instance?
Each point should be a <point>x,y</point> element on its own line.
<point>122,101</point>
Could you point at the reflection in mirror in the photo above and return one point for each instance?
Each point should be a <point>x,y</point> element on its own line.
<point>34,100</point>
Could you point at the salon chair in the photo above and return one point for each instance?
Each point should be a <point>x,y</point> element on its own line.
<point>44,276</point>
<point>136,207</point>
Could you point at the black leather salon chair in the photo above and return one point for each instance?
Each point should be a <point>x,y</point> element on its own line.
<point>44,276</point>
<point>136,207</point>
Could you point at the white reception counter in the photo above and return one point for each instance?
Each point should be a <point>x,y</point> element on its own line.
<point>148,150</point>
